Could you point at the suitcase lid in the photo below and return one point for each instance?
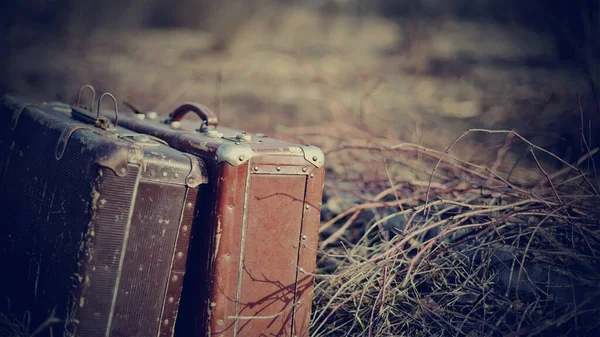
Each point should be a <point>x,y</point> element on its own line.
<point>207,138</point>
<point>110,146</point>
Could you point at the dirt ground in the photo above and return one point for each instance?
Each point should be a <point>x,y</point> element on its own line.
<point>428,81</point>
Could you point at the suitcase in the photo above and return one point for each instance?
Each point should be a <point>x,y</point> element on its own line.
<point>251,273</point>
<point>95,222</point>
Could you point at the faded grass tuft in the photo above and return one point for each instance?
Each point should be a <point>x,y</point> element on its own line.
<point>431,244</point>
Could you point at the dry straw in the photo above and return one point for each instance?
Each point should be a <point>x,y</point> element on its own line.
<point>435,245</point>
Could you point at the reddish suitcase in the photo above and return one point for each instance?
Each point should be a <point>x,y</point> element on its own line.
<point>95,222</point>
<point>251,272</point>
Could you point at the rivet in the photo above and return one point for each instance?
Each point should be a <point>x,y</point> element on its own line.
<point>171,300</point>
<point>165,174</point>
<point>241,158</point>
<point>278,168</point>
<point>213,304</point>
<point>304,237</point>
<point>123,170</point>
<point>141,138</point>
<point>176,175</point>
<point>152,115</point>
<point>315,158</point>
<point>180,255</point>
<point>255,168</point>
<point>176,125</point>
<point>301,270</point>
<point>189,205</point>
<point>221,322</point>
<point>185,228</point>
<point>312,175</point>
<point>191,180</point>
<point>304,169</point>
<point>174,278</point>
<point>307,207</point>
<point>237,143</point>
<point>166,321</point>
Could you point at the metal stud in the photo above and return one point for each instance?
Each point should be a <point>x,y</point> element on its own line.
<point>241,158</point>
<point>165,174</point>
<point>312,175</point>
<point>315,158</point>
<point>278,168</point>
<point>307,207</point>
<point>255,168</point>
<point>304,237</point>
<point>304,169</point>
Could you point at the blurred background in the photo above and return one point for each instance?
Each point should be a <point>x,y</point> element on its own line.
<point>426,68</point>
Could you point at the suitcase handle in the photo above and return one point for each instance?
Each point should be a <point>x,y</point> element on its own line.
<point>209,118</point>
<point>114,102</point>
<point>92,90</point>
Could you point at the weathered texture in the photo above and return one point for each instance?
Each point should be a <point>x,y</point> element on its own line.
<point>93,223</point>
<point>250,272</point>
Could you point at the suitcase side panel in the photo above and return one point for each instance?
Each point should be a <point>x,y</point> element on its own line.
<point>307,257</point>
<point>148,258</point>
<point>178,274</point>
<point>101,268</point>
<point>194,307</point>
<point>266,291</point>
<point>226,251</point>
<point>40,236</point>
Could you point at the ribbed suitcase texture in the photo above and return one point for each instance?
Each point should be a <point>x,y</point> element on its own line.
<point>94,222</point>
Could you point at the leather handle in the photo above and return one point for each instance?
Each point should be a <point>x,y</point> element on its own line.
<point>209,118</point>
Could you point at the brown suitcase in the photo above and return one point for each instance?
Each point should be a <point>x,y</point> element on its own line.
<point>95,222</point>
<point>251,272</point>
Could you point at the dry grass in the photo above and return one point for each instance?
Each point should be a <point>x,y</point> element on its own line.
<point>15,327</point>
<point>436,245</point>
